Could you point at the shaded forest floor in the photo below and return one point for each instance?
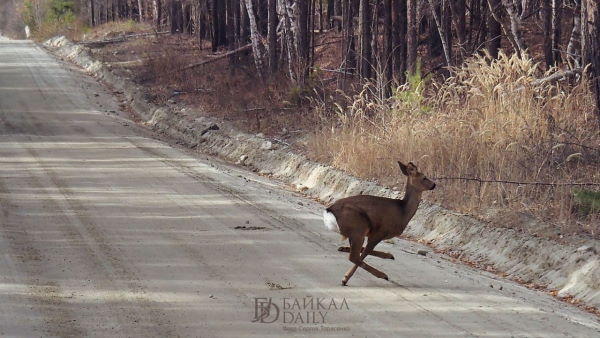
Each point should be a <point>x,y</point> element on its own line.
<point>226,88</point>
<point>445,129</point>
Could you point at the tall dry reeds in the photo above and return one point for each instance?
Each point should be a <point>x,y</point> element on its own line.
<point>491,119</point>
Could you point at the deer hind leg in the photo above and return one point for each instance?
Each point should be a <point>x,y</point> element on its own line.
<point>357,258</point>
<point>371,243</point>
<point>380,254</point>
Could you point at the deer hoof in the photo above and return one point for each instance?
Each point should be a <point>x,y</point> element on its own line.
<point>392,257</point>
<point>384,276</point>
<point>344,282</point>
<point>344,249</point>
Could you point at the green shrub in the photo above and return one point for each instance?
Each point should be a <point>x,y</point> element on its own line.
<point>300,93</point>
<point>61,10</point>
<point>410,97</point>
<point>46,18</point>
<point>587,201</point>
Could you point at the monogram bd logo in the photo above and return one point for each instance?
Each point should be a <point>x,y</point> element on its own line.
<point>307,310</point>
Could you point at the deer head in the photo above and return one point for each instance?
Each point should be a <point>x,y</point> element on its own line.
<point>415,178</point>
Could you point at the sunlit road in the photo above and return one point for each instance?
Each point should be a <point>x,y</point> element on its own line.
<point>105,231</point>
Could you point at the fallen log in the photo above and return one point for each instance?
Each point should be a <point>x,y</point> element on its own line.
<point>215,58</point>
<point>557,76</point>
<point>120,39</point>
<point>218,57</point>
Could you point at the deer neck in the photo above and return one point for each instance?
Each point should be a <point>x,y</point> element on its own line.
<point>412,198</point>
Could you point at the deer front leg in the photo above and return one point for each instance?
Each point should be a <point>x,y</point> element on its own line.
<point>380,254</point>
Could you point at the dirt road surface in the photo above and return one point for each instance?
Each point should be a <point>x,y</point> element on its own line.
<point>105,231</point>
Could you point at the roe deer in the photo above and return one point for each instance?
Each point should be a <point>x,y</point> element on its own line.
<point>377,218</point>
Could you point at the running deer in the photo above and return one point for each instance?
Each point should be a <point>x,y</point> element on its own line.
<point>377,218</point>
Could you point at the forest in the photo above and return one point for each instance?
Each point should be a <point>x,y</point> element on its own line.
<point>380,37</point>
<point>498,98</point>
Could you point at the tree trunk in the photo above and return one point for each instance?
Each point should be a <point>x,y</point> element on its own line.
<point>338,10</point>
<point>412,42</point>
<point>494,32</point>
<point>435,43</point>
<point>574,46</point>
<point>263,16</point>
<point>374,35</point>
<point>140,17</point>
<point>302,39</point>
<point>548,43</point>
<point>130,9</point>
<point>388,59</point>
<point>447,29</point>
<point>222,22</point>
<point>320,16</point>
<point>236,22</point>
<point>364,29</point>
<point>201,21</point>
<point>311,33</point>
<point>330,12</point>
<point>591,45</point>
<point>272,36</point>
<point>460,22</point>
<point>556,29</point>
<point>288,43</point>
<point>244,23</point>
<point>229,26</point>
<point>122,9</point>
<point>257,47</point>
<point>176,17</point>
<point>515,26</point>
<point>500,10</point>
<point>219,29</point>
<point>156,13</point>
<point>92,13</point>
<point>441,27</point>
<point>348,43</point>
<point>399,39</point>
<point>187,18</point>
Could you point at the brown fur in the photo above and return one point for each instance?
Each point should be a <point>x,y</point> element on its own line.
<point>377,218</point>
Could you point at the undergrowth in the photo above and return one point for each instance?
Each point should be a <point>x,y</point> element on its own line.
<point>48,18</point>
<point>490,120</point>
<point>116,28</point>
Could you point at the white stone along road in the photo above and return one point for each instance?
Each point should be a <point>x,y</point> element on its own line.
<point>105,231</point>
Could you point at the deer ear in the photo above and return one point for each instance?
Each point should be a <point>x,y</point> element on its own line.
<point>403,168</point>
<point>411,169</point>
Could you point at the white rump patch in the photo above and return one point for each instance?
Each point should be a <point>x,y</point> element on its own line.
<point>330,221</point>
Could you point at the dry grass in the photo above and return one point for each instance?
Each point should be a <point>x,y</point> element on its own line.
<point>165,68</point>
<point>489,120</point>
<point>72,29</point>
<point>116,28</point>
<point>227,88</point>
<point>76,29</point>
